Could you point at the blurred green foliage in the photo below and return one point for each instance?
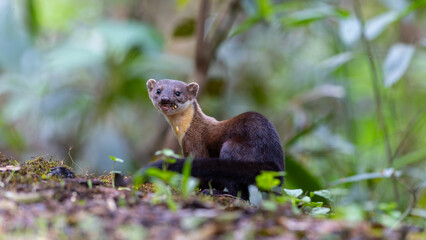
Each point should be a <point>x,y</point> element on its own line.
<point>73,73</point>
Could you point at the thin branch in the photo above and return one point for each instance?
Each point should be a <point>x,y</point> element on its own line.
<point>202,61</point>
<point>222,27</point>
<point>411,206</point>
<point>307,130</point>
<point>207,44</point>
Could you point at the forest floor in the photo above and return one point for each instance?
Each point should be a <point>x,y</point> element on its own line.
<point>33,203</point>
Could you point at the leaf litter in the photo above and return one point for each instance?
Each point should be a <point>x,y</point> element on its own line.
<point>35,203</point>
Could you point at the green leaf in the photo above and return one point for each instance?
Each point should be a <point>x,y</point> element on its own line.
<point>244,26</point>
<point>412,7</point>
<point>285,6</point>
<point>90,184</point>
<point>341,12</point>
<point>293,192</point>
<point>164,194</point>
<point>139,179</point>
<point>325,194</point>
<point>387,206</point>
<point>305,17</point>
<point>186,171</point>
<point>169,160</point>
<point>305,199</point>
<point>185,28</point>
<point>31,17</point>
<point>315,204</point>
<point>167,153</point>
<point>375,26</point>
<point>409,158</point>
<point>349,30</point>
<point>419,212</point>
<point>265,8</point>
<point>166,176</point>
<point>297,176</point>
<point>267,180</point>
<point>319,211</point>
<point>396,62</point>
<point>189,187</point>
<point>188,183</point>
<point>333,63</point>
<point>115,159</point>
<point>182,3</point>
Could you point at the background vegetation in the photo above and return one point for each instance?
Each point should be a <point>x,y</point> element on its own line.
<point>343,82</point>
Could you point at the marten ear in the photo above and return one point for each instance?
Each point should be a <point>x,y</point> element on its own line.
<point>150,84</point>
<point>192,89</point>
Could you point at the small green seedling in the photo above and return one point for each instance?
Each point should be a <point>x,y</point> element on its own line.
<point>268,181</point>
<point>188,183</point>
<point>185,183</point>
<point>163,179</point>
<point>299,201</point>
<point>90,184</point>
<point>168,154</point>
<point>163,175</point>
<point>114,160</point>
<point>163,193</point>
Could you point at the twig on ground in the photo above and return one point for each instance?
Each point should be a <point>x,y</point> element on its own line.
<point>74,163</point>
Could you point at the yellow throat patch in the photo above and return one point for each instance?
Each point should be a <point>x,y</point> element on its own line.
<point>180,122</point>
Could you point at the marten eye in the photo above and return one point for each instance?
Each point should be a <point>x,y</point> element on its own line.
<point>158,91</point>
<point>177,94</point>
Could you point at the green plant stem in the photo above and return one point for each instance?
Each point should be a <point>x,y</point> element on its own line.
<point>377,95</point>
<point>113,182</point>
<point>348,101</point>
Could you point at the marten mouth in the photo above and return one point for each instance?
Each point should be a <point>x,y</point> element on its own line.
<point>168,107</point>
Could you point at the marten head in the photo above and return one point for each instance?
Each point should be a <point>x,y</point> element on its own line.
<point>171,96</point>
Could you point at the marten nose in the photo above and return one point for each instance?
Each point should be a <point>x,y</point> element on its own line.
<point>165,100</point>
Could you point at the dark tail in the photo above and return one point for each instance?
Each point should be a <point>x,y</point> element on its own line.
<point>221,171</point>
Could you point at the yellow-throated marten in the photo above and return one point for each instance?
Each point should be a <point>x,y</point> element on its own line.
<point>228,154</point>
